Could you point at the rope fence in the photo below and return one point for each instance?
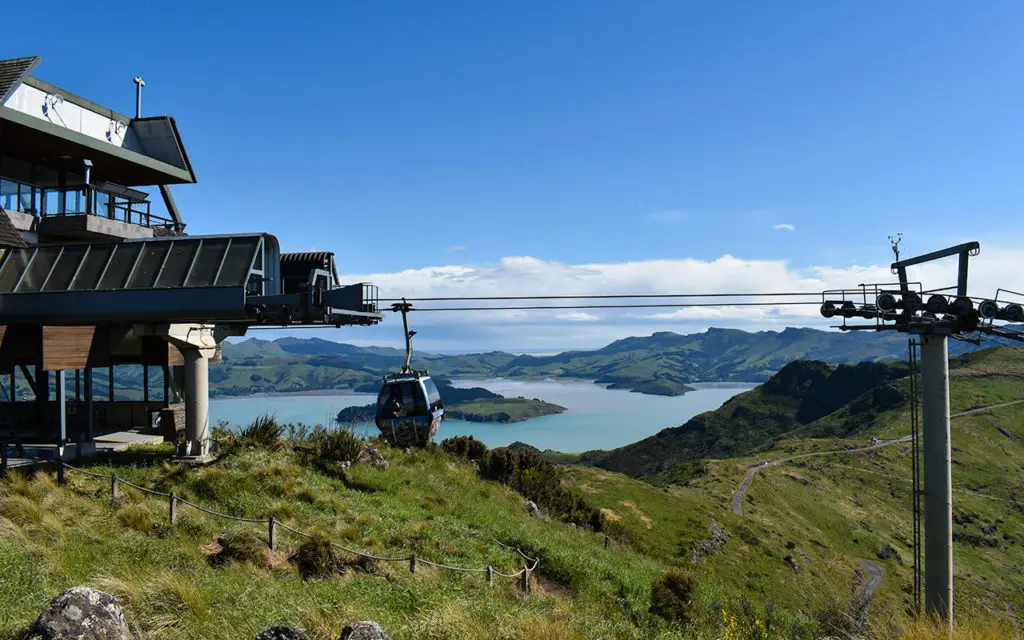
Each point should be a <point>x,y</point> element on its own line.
<point>274,525</point>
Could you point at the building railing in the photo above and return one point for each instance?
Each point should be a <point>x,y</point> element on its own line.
<point>79,200</point>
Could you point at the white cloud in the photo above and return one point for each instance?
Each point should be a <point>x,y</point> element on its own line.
<point>784,227</point>
<point>458,247</point>
<point>577,316</point>
<point>587,328</point>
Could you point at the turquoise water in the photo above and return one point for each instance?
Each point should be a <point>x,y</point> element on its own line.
<point>597,418</point>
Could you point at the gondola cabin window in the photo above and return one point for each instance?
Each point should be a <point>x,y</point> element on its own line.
<point>433,395</point>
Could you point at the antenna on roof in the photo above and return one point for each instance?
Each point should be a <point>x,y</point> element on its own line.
<point>895,242</point>
<point>139,83</point>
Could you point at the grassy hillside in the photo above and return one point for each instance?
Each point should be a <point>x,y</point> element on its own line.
<point>791,561</point>
<point>827,513</point>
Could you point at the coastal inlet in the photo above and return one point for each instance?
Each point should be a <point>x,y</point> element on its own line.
<point>588,417</point>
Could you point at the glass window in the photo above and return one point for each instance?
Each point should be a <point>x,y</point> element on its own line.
<point>39,268</point>
<point>12,268</point>
<point>8,195</point>
<point>65,269</point>
<point>92,267</point>
<point>178,262</point>
<point>413,397</point>
<point>433,395</point>
<point>28,196</point>
<point>235,271</point>
<point>148,266</point>
<point>120,266</point>
<point>205,268</point>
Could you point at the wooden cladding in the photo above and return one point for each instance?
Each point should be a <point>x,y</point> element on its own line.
<point>76,347</point>
<point>70,348</point>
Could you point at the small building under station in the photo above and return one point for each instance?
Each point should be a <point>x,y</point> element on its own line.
<point>98,293</point>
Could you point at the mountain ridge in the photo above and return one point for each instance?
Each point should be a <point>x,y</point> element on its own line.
<point>663,363</point>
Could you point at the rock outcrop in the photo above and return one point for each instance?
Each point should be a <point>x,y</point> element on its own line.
<point>363,631</point>
<point>81,613</point>
<point>281,632</point>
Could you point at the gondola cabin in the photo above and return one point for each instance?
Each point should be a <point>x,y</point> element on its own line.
<point>409,409</point>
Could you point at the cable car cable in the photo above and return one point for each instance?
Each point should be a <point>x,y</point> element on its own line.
<point>816,294</point>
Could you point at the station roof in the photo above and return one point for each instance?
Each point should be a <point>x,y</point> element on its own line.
<point>155,155</point>
<point>184,262</point>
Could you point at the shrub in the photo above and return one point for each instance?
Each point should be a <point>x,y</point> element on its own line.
<point>240,546</point>
<point>337,446</point>
<point>315,558</point>
<point>263,433</point>
<point>136,517</point>
<point>466,447</point>
<point>530,474</point>
<point>672,596</point>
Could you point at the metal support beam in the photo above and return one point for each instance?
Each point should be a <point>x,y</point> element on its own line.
<point>62,409</point>
<point>938,504</point>
<point>172,208</point>
<point>89,412</point>
<point>145,383</point>
<point>110,383</point>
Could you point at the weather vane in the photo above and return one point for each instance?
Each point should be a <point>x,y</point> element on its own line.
<point>895,242</point>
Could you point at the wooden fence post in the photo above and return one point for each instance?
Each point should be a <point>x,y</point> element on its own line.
<point>113,488</point>
<point>526,580</point>
<point>174,508</point>
<point>412,563</point>
<point>60,473</point>
<point>272,538</point>
<point>490,576</point>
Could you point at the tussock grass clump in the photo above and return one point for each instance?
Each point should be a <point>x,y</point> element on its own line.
<point>240,546</point>
<point>23,510</point>
<point>315,558</point>
<point>137,517</point>
<point>263,433</point>
<point>672,596</point>
<point>337,446</point>
<point>26,486</point>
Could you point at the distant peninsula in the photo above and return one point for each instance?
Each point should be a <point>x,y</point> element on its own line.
<point>474,404</point>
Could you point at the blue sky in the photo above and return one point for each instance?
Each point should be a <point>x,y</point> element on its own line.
<point>418,135</point>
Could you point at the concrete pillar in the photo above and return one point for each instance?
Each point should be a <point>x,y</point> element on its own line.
<point>197,400</point>
<point>938,502</point>
<point>197,344</point>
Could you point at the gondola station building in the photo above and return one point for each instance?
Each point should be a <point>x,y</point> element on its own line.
<point>95,286</point>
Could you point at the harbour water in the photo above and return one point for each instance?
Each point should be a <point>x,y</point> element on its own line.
<point>597,417</point>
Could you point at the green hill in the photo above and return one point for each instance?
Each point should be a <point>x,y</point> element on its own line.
<point>801,393</point>
<point>791,560</point>
<point>663,363</point>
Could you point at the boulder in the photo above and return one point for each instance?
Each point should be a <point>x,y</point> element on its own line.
<point>281,632</point>
<point>532,507</point>
<point>81,613</point>
<point>363,631</point>
<point>792,563</point>
<point>370,455</point>
<point>888,552</point>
